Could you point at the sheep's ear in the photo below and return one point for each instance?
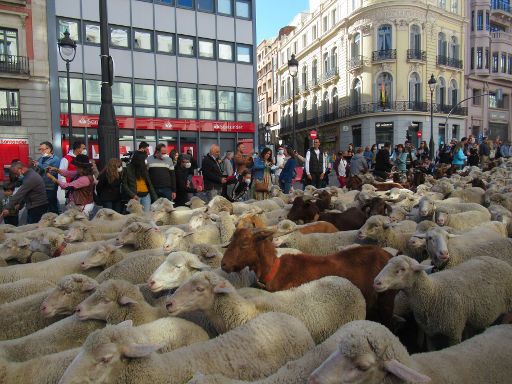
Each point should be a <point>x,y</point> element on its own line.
<point>126,323</point>
<point>125,300</point>
<point>196,264</point>
<point>405,373</point>
<point>222,287</point>
<point>421,267</point>
<point>262,234</point>
<point>140,350</point>
<point>451,235</point>
<point>88,286</point>
<point>420,235</point>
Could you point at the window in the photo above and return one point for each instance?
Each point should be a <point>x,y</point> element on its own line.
<point>325,24</point>
<point>187,103</point>
<point>480,21</point>
<point>472,20</point>
<point>164,43</point>
<point>487,23</point>
<point>9,99</point>
<point>454,48</point>
<point>76,94</point>
<point>207,104</point>
<point>226,51</point>
<point>441,92</point>
<point>144,94</point>
<point>243,53</point>
<point>304,40</point>
<point>93,91</point>
<point>313,32</point>
<point>384,90</point>
<point>92,33</point>
<point>493,100</point>
<point>185,3</point>
<point>206,49</point>
<point>486,58</point>
<point>454,93</point>
<point>441,45</point>
<point>226,105</point>
<point>333,17</point>
<point>244,106</point>
<point>119,37</point>
<point>304,76</point>
<point>166,99</point>
<point>8,42</point>
<point>122,93</point>
<point>384,37</point>
<point>510,64</point>
<point>295,46</point>
<point>186,46</point>
<point>356,45</point>
<point>479,58</point>
<point>168,2</point>
<point>243,9</point>
<point>142,40</point>
<point>476,97</point>
<point>355,97</point>
<point>442,4</point>
<point>205,5</point>
<point>495,62</point>
<point>326,62</point>
<point>415,38</point>
<point>314,72</point>
<point>334,101</point>
<point>414,89</point>
<point>334,59</point>
<point>72,26</point>
<point>455,6</point>
<point>225,7</point>
<point>503,63</point>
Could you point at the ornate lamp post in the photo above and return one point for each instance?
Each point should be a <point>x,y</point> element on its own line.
<point>432,85</point>
<point>293,69</point>
<point>67,52</point>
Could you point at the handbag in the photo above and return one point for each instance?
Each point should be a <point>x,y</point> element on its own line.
<point>261,186</point>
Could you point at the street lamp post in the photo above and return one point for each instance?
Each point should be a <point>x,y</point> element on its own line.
<point>267,133</point>
<point>293,69</point>
<point>432,85</point>
<point>67,52</point>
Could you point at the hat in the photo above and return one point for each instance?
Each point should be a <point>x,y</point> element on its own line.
<point>81,161</point>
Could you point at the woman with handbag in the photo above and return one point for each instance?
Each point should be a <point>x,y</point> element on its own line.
<point>261,174</point>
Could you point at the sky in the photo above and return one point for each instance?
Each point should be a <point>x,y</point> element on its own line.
<point>272,15</point>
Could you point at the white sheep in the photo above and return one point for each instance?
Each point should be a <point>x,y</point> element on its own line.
<point>470,195</point>
<point>500,213</point>
<point>472,294</point>
<point>86,232</point>
<point>164,213</point>
<point>107,214</point>
<point>136,268</point>
<point>140,236</point>
<point>461,220</point>
<point>195,202</point>
<point>387,233</point>
<point>368,353</point>
<point>323,305</point>
<point>320,244</point>
<point>69,217</point>
<point>427,207</point>
<point>55,245</point>
<point>22,288</point>
<point>254,350</point>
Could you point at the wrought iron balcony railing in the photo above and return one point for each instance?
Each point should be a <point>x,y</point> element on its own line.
<point>10,116</point>
<point>449,62</point>
<point>14,64</point>
<point>385,54</point>
<point>416,54</point>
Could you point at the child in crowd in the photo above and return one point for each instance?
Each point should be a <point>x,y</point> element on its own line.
<point>12,217</point>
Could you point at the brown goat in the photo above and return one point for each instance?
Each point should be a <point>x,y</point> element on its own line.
<point>377,206</point>
<point>352,218</point>
<point>318,227</point>
<point>251,220</point>
<point>323,200</point>
<point>255,249</point>
<point>307,211</point>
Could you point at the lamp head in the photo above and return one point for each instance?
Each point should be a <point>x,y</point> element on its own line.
<point>432,83</point>
<point>293,66</point>
<point>67,47</point>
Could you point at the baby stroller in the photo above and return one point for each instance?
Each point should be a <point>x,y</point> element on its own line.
<point>236,189</point>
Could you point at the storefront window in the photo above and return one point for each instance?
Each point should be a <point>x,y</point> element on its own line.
<point>187,103</point>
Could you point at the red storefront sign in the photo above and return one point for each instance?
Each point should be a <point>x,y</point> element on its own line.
<point>11,149</point>
<point>142,123</point>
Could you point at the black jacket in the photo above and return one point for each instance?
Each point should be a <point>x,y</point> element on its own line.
<point>382,161</point>
<point>130,184</point>
<point>212,174</point>
<point>107,191</point>
<point>182,190</point>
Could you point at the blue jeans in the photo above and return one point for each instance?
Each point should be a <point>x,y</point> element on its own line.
<point>146,202</point>
<point>285,187</point>
<point>115,205</point>
<point>164,192</point>
<point>53,202</point>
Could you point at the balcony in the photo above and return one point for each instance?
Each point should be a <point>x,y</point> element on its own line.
<point>505,37</point>
<point>416,55</point>
<point>398,106</point>
<point>329,74</point>
<point>449,62</point>
<point>383,55</point>
<point>355,63</point>
<point>10,116</point>
<point>501,6</point>
<point>14,64</point>
<point>285,97</point>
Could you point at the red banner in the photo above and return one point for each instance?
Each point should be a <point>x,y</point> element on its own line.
<point>143,123</point>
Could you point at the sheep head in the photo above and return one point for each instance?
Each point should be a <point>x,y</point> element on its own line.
<point>199,220</point>
<point>437,245</point>
<point>128,235</point>
<point>105,352</point>
<point>69,217</point>
<point>219,204</point>
<point>175,270</point>
<point>99,256</point>
<point>70,291</point>
<point>16,248</point>
<point>367,353</point>
<point>77,232</point>
<point>374,228</point>
<point>173,236</point>
<point>135,207</point>
<point>398,273</point>
<point>47,220</point>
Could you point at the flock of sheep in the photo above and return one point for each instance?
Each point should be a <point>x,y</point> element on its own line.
<point>177,295</point>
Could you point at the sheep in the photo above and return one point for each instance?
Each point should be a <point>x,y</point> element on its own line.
<point>44,369</point>
<point>136,268</point>
<point>207,253</point>
<point>70,291</point>
<point>274,339</point>
<point>323,305</point>
<point>387,233</point>
<point>134,207</point>
<point>107,214</point>
<point>180,266</point>
<point>22,288</point>
<point>427,207</point>
<point>503,199</point>
<point>64,334</point>
<point>54,245</point>
<point>447,250</point>
<point>21,317</point>
<point>69,217</point>
<point>19,247</point>
<point>470,195</point>
<point>47,220</point>
<point>114,301</point>
<point>79,232</point>
<point>51,270</point>
<point>445,302</point>
<point>141,236</point>
<point>369,353</point>
<point>286,226</point>
<point>164,213</point>
<point>321,244</point>
<point>500,213</point>
<point>195,202</point>
<point>461,220</point>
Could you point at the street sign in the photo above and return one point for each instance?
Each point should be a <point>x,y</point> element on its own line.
<point>313,135</point>
<point>419,133</point>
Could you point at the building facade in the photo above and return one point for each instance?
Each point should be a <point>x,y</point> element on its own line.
<point>184,72</point>
<point>24,80</point>
<point>489,52</point>
<point>364,66</point>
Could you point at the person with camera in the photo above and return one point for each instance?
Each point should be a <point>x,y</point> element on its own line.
<point>48,159</point>
<point>81,187</point>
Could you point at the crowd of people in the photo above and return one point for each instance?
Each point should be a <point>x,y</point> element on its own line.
<point>238,175</point>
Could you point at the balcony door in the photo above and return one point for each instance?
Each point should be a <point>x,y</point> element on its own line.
<point>384,38</point>
<point>8,42</point>
<point>415,39</point>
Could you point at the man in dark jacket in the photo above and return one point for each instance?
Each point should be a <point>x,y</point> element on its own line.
<point>383,164</point>
<point>212,173</point>
<point>161,173</point>
<point>484,152</point>
<point>32,192</point>
<point>315,165</point>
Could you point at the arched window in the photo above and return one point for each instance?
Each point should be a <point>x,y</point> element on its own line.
<point>454,48</point>
<point>334,98</point>
<point>384,90</point>
<point>415,38</point>
<point>314,72</point>
<point>304,76</point>
<point>441,44</point>
<point>314,108</point>
<point>334,59</point>
<point>384,37</point>
<point>441,92</point>
<point>356,45</point>
<point>454,92</point>
<point>325,103</point>
<point>326,62</point>
<point>355,97</point>
<point>305,111</point>
<point>414,90</point>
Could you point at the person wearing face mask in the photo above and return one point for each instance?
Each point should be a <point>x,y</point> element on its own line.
<point>287,174</point>
<point>48,159</point>
<point>31,192</point>
<point>161,173</point>
<point>78,148</point>
<point>183,184</point>
<point>109,185</point>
